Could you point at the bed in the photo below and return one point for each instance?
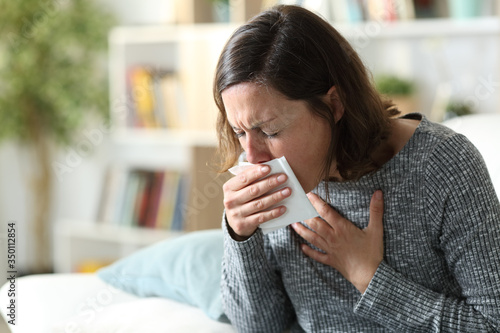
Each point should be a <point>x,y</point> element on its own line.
<point>171,286</point>
<point>84,303</point>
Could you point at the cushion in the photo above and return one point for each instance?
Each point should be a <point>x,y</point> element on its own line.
<point>186,269</point>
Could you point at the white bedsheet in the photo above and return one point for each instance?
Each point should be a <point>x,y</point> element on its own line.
<point>83,303</point>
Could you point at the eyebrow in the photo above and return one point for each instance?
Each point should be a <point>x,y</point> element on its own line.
<point>254,126</point>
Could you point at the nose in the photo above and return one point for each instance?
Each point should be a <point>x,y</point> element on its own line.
<point>256,150</point>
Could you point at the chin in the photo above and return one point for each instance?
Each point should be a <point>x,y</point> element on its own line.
<point>307,186</point>
<point>309,182</point>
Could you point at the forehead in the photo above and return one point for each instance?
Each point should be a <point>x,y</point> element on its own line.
<point>249,93</point>
<point>251,103</point>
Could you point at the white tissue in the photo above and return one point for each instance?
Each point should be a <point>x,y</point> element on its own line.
<point>298,206</point>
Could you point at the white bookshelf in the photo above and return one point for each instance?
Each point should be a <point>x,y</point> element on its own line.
<point>190,51</point>
<point>78,241</point>
<point>156,149</point>
<point>460,55</point>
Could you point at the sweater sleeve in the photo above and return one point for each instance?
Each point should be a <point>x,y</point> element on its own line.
<point>463,206</point>
<point>253,295</point>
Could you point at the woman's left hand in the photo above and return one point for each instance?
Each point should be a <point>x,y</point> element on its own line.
<point>355,253</point>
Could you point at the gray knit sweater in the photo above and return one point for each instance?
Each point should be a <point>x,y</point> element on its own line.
<point>441,267</point>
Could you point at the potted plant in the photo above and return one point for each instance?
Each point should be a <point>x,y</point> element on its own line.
<point>49,83</point>
<point>457,109</point>
<point>400,91</point>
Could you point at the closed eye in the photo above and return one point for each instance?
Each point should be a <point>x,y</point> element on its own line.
<point>239,134</point>
<point>270,135</point>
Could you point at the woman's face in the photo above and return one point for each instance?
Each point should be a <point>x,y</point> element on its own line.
<point>268,126</point>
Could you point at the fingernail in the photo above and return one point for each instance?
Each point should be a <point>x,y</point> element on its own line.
<point>285,191</point>
<point>264,168</point>
<point>281,178</point>
<point>378,195</point>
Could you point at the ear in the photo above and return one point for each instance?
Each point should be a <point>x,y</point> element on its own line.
<point>332,97</point>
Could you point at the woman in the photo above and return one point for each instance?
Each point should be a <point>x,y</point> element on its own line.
<point>409,234</point>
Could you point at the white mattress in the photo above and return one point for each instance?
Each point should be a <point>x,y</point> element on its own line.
<point>83,303</point>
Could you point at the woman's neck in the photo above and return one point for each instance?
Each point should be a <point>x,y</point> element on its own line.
<point>400,133</point>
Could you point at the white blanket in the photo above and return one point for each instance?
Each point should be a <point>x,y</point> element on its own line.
<point>83,303</point>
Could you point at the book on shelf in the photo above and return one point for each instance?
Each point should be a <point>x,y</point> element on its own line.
<point>144,198</point>
<point>155,98</point>
<point>353,11</point>
<point>347,11</point>
<point>379,10</point>
<point>142,97</point>
<point>91,265</point>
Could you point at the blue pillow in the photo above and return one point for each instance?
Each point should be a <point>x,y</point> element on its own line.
<point>186,269</point>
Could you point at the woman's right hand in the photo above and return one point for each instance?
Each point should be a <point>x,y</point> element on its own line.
<point>247,198</point>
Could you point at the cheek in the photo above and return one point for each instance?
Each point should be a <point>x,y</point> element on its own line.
<point>298,156</point>
<point>309,174</point>
<point>307,165</point>
<point>309,159</point>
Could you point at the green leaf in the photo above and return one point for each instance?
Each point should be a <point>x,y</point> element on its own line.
<point>392,85</point>
<point>49,74</point>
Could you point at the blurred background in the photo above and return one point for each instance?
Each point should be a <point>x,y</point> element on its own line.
<point>107,120</point>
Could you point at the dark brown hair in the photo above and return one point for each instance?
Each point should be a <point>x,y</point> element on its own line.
<point>297,53</point>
